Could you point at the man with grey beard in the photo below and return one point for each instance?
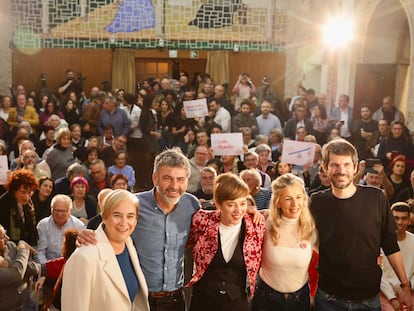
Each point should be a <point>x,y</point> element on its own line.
<point>163,228</point>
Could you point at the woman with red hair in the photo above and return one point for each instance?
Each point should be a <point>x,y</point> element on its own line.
<point>398,178</point>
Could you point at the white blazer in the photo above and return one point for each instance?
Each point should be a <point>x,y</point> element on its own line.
<point>92,279</point>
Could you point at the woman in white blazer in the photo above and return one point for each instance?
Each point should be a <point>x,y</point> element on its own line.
<point>107,276</point>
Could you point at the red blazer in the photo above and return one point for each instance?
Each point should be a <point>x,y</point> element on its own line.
<point>204,237</point>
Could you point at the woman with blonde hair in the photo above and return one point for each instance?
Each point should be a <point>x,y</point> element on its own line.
<point>60,155</point>
<point>108,276</point>
<point>287,249</point>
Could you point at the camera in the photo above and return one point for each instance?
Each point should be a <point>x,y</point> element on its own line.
<point>372,162</point>
<point>43,76</point>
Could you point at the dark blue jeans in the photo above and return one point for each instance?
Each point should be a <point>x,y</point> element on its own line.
<point>267,299</point>
<point>327,302</point>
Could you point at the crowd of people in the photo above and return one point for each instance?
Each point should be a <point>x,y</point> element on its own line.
<point>165,224</point>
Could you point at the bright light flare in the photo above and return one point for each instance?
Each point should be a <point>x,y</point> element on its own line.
<point>338,32</point>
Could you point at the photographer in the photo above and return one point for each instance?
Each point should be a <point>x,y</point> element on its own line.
<point>71,84</point>
<point>244,88</point>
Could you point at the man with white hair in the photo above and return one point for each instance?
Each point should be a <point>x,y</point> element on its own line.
<point>260,195</point>
<point>29,160</point>
<point>51,228</point>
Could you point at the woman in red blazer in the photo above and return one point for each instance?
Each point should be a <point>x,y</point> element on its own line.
<point>227,249</point>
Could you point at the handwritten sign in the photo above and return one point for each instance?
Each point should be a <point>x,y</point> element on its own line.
<point>195,108</point>
<point>227,143</point>
<point>298,152</point>
<point>3,169</point>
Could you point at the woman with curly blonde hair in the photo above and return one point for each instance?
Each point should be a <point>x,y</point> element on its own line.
<point>287,249</point>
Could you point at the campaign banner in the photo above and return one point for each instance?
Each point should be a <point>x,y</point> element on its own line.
<point>227,144</point>
<point>195,108</point>
<point>298,152</point>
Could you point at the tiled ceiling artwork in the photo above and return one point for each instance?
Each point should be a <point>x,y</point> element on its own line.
<point>252,25</point>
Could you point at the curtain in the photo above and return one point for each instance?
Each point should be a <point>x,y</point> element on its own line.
<point>123,70</point>
<point>218,66</point>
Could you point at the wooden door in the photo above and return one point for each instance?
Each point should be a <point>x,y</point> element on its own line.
<point>372,83</point>
<point>155,68</point>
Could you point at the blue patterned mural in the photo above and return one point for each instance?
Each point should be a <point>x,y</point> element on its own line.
<point>254,25</point>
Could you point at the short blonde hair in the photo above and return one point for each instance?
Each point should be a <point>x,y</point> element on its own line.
<point>62,132</point>
<point>229,186</point>
<point>114,198</point>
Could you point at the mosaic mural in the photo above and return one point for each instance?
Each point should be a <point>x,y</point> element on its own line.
<point>252,25</point>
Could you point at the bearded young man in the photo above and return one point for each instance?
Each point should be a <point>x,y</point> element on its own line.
<point>353,223</point>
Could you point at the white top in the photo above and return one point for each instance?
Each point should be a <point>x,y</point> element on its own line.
<point>4,115</point>
<point>223,118</point>
<point>229,236</point>
<point>134,115</point>
<point>285,265</point>
<point>344,129</point>
<point>390,284</point>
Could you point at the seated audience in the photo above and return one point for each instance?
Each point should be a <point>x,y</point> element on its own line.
<point>98,177</point>
<point>205,192</point>
<point>84,205</point>
<point>120,167</point>
<point>60,156</point>
<point>397,175</point>
<point>62,185</point>
<point>260,195</point>
<point>52,271</point>
<point>16,267</point>
<point>398,142</point>
<point>197,163</point>
<point>42,197</point>
<point>29,162</point>
<point>118,181</point>
<point>17,214</point>
<point>407,193</point>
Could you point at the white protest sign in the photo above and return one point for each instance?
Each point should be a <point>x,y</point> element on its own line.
<point>227,143</point>
<point>196,108</point>
<point>3,169</point>
<point>298,152</point>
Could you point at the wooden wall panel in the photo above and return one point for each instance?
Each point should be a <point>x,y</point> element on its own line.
<point>372,83</point>
<point>257,65</point>
<point>96,64</point>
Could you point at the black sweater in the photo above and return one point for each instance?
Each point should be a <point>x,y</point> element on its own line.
<point>351,232</point>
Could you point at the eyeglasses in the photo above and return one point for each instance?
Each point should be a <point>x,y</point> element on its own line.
<point>5,237</point>
<point>60,211</point>
<point>29,157</point>
<point>120,184</point>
